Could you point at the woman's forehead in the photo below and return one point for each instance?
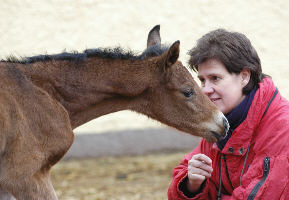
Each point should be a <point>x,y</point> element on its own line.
<point>211,67</point>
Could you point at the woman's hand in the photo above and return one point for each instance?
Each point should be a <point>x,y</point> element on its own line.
<point>199,169</point>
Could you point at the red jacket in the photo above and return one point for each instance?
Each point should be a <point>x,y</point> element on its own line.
<point>266,169</point>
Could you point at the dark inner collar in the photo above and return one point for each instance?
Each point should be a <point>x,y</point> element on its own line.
<point>237,116</point>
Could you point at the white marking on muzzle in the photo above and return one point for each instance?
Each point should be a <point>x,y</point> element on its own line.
<point>218,121</point>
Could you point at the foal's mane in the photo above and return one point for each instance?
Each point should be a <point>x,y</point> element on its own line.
<point>109,53</point>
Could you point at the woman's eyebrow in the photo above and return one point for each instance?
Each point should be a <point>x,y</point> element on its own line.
<point>209,75</point>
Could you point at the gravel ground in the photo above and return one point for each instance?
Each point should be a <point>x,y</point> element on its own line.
<point>115,178</point>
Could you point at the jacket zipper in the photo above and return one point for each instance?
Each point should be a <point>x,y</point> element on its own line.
<point>261,182</point>
<point>227,172</point>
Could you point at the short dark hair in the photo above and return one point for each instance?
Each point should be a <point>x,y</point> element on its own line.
<point>233,49</point>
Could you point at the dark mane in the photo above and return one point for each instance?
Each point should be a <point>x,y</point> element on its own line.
<point>109,53</point>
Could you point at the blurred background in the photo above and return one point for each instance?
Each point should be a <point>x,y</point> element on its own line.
<point>125,155</point>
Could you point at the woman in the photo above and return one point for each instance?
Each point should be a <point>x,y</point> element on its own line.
<point>252,162</point>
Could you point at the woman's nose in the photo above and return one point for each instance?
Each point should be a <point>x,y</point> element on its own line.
<point>207,89</point>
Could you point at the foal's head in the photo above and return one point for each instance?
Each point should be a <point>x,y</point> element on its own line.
<point>176,99</point>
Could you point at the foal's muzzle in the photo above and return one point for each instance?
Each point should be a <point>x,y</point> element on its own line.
<point>219,136</point>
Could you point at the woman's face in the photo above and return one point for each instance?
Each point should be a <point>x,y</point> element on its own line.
<point>223,89</point>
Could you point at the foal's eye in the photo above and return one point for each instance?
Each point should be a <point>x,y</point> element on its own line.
<point>188,93</point>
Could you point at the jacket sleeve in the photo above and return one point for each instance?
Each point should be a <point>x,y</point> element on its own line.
<point>266,179</point>
<point>178,192</point>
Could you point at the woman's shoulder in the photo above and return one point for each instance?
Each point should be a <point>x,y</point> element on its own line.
<point>272,134</point>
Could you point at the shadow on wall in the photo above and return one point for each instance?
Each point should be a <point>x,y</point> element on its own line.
<point>131,142</point>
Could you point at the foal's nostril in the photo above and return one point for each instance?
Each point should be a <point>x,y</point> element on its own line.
<point>226,125</point>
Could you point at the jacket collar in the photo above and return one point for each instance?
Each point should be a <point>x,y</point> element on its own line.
<point>242,135</point>
<point>237,116</point>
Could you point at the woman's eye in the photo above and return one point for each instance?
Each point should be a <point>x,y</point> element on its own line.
<point>215,78</point>
<point>202,80</point>
<point>188,93</point>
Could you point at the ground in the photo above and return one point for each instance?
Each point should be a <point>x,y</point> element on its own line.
<point>115,178</point>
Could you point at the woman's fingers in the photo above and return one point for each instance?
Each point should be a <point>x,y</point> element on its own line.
<point>199,163</point>
<point>197,172</point>
<point>199,168</point>
<point>203,158</point>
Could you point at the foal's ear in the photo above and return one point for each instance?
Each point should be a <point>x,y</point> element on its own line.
<point>173,54</point>
<point>154,36</point>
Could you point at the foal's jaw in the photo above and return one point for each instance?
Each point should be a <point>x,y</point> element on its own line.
<point>218,127</point>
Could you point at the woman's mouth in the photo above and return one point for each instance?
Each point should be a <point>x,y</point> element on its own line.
<point>214,99</point>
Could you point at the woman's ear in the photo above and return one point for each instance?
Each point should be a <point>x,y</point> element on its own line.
<point>245,75</point>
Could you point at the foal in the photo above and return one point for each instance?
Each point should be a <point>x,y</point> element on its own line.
<point>43,98</point>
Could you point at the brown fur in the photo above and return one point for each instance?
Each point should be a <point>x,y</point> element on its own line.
<point>42,102</point>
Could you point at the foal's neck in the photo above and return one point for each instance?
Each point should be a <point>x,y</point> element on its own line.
<point>94,87</point>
